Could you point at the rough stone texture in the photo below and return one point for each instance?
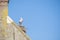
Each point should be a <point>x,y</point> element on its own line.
<point>13,34</point>
<point>9,31</point>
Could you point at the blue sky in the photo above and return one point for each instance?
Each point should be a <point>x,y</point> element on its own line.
<point>41,17</point>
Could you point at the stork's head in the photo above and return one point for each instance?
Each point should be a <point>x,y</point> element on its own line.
<point>4,2</point>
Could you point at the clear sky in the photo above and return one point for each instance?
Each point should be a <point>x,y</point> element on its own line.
<point>41,17</point>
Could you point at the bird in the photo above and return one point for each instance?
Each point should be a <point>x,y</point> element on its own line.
<point>20,21</point>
